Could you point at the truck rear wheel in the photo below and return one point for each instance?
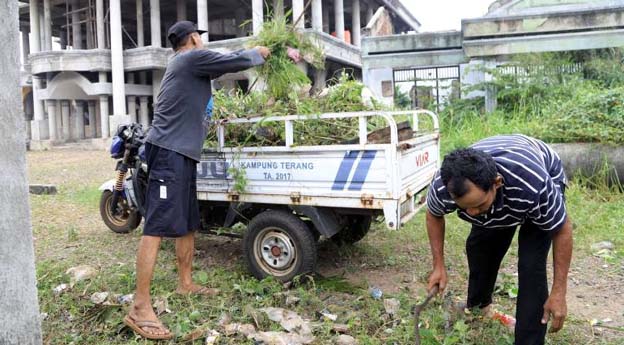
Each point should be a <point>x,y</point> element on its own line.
<point>356,229</point>
<point>123,222</point>
<point>279,244</point>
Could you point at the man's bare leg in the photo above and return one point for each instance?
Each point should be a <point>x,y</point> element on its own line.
<point>185,250</point>
<point>141,309</point>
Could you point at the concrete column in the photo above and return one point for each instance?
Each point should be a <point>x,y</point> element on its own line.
<point>79,120</point>
<point>339,26</point>
<point>119,97</point>
<point>47,26</point>
<point>320,79</point>
<point>139,23</point>
<point>99,22</point>
<point>65,119</point>
<point>76,26</point>
<point>38,124</point>
<point>326,27</point>
<point>257,15</point>
<point>35,40</point>
<point>98,122</point>
<point>278,8</point>
<point>42,29</point>
<point>298,13</point>
<point>132,101</point>
<point>356,23</point>
<point>157,76</point>
<point>25,44</point>
<point>104,116</point>
<point>63,40</point>
<point>181,9</point>
<point>240,15</point>
<point>20,318</point>
<point>202,18</point>
<point>154,22</point>
<point>370,12</point>
<point>144,111</point>
<point>92,122</point>
<point>52,119</point>
<point>317,15</point>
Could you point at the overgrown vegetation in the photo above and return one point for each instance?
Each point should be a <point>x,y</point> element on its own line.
<point>558,97</point>
<point>345,95</point>
<point>283,78</point>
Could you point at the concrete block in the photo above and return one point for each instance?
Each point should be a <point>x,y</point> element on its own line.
<point>39,129</point>
<point>42,189</point>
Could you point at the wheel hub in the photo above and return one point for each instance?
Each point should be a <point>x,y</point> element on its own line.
<point>277,250</point>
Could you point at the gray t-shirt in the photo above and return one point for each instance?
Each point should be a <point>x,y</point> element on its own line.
<point>184,106</point>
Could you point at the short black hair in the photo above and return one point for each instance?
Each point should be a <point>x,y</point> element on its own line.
<point>176,42</point>
<point>468,164</point>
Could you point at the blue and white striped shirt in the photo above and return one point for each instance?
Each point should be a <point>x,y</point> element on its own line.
<point>533,177</point>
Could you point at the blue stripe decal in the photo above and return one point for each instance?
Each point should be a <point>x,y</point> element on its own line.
<point>362,170</point>
<point>344,170</point>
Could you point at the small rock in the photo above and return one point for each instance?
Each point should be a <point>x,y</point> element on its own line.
<point>125,299</point>
<point>42,189</point>
<point>80,273</point>
<point>292,300</point>
<point>392,306</point>
<point>344,339</point>
<point>161,306</point>
<point>225,319</point>
<point>234,328</point>
<point>231,329</point>
<point>43,316</point>
<point>247,329</point>
<point>99,297</point>
<point>340,328</point>
<point>602,245</point>
<point>289,320</point>
<point>212,336</point>
<point>329,316</point>
<point>282,338</point>
<point>59,289</point>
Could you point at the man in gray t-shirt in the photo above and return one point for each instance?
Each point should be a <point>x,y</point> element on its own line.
<point>173,149</point>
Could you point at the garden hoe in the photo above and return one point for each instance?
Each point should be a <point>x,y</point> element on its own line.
<point>417,309</point>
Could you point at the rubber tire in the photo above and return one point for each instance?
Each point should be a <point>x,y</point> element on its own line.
<point>120,226</point>
<point>297,231</point>
<point>356,229</point>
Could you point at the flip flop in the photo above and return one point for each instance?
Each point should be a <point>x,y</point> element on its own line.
<point>137,326</point>
<point>206,291</point>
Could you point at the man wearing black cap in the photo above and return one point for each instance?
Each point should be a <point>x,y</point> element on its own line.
<point>173,148</point>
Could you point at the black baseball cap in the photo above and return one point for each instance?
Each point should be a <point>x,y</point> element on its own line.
<point>181,29</point>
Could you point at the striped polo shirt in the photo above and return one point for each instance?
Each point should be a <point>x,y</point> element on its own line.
<point>533,179</point>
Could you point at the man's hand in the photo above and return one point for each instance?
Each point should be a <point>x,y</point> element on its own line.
<point>438,277</point>
<point>294,54</point>
<point>264,51</point>
<point>556,306</point>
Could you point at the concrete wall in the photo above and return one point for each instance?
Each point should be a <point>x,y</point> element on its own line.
<point>19,307</point>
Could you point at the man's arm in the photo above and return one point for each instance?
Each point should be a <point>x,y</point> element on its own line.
<point>209,63</point>
<point>435,231</point>
<point>562,255</point>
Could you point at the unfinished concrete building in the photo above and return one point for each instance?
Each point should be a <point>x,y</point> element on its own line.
<point>433,66</point>
<point>92,64</point>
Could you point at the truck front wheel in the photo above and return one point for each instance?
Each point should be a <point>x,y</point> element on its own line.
<point>279,244</point>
